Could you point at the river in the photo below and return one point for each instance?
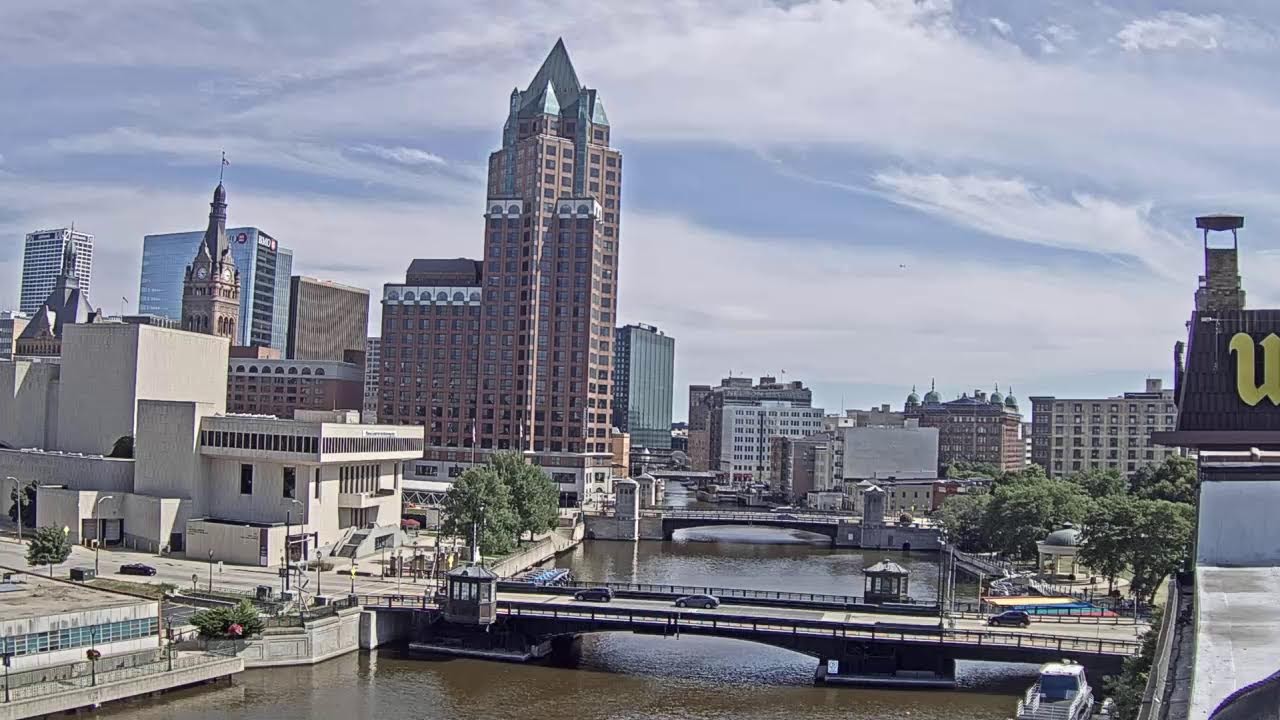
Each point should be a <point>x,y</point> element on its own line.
<point>622,676</point>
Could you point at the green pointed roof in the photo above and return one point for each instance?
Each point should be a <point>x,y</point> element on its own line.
<point>558,73</point>
<point>547,103</point>
<point>598,116</point>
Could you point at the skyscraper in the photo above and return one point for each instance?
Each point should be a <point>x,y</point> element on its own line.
<point>534,349</point>
<point>42,257</point>
<point>264,268</point>
<point>372,366</point>
<point>326,319</point>
<point>211,286</point>
<point>644,367</point>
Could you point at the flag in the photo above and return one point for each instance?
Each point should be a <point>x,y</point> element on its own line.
<point>225,162</point>
<point>473,432</point>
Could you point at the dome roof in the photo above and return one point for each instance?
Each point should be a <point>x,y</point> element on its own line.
<point>1010,401</point>
<point>932,397</point>
<point>995,398</point>
<point>1068,536</point>
<point>913,398</point>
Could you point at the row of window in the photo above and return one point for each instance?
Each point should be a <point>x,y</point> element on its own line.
<point>304,444</point>
<point>267,370</point>
<point>86,636</point>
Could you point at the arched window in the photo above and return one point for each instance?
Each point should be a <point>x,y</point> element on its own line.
<point>496,209</point>
<point>442,295</point>
<point>475,296</point>
<point>393,295</point>
<point>253,368</point>
<point>409,295</point>
<point>279,370</point>
<point>293,371</point>
<point>514,209</point>
<point>584,209</point>
<point>240,368</point>
<point>458,296</point>
<point>319,371</point>
<point>306,371</point>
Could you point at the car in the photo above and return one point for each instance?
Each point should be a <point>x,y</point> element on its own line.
<point>137,569</point>
<point>600,594</point>
<point>1012,618</point>
<point>706,602</point>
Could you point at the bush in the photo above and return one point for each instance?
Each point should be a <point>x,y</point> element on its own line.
<point>233,623</point>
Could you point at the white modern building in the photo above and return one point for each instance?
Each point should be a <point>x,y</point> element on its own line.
<point>200,481</point>
<point>42,255</point>
<point>883,453</point>
<point>372,371</point>
<point>746,431</point>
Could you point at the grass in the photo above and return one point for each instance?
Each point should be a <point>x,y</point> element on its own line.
<point>144,590</point>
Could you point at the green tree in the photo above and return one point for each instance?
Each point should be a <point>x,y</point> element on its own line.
<point>1030,473</point>
<point>48,546</point>
<point>963,519</point>
<point>241,621</point>
<point>961,469</point>
<point>1174,480</point>
<point>535,499</point>
<point>1098,483</point>
<point>1106,543</point>
<point>24,496</point>
<point>480,497</point>
<point>1161,544</point>
<point>1022,513</point>
<point>1126,689</point>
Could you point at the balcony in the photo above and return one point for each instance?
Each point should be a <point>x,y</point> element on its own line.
<point>360,500</point>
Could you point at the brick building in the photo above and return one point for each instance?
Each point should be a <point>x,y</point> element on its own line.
<point>707,403</point>
<point>525,359</point>
<point>972,428</point>
<point>326,319</point>
<point>1075,434</point>
<point>260,382</point>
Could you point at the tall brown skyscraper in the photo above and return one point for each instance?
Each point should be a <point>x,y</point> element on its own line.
<point>211,288</point>
<point>543,331</point>
<point>327,320</point>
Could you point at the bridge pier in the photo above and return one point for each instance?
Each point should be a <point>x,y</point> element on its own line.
<point>870,664</point>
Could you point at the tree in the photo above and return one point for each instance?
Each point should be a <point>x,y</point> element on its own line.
<point>1097,483</point>
<point>1174,480</point>
<point>961,469</point>
<point>24,496</point>
<point>48,546</point>
<point>1106,543</point>
<point>1161,542</point>
<point>1022,513</point>
<point>1030,473</point>
<point>123,447</point>
<point>241,621</point>
<point>535,499</point>
<point>963,519</point>
<point>481,497</point>
<point>1127,688</point>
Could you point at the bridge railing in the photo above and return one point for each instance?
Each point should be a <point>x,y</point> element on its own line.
<point>676,620</point>
<point>678,590</point>
<point>723,516</point>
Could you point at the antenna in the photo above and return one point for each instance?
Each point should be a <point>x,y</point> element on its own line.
<point>222,168</point>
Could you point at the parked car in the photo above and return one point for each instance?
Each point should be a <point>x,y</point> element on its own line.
<point>600,594</point>
<point>1011,618</point>
<point>706,602</point>
<point>137,569</point>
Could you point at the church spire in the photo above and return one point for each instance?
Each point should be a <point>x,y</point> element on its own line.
<point>215,235</point>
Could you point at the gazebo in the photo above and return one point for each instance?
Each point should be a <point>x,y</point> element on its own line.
<point>472,595</point>
<point>886,581</point>
<point>1057,546</point>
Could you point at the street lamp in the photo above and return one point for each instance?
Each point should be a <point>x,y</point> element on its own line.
<point>98,545</point>
<point>210,571</point>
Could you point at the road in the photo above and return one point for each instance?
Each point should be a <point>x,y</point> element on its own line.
<point>1090,630</point>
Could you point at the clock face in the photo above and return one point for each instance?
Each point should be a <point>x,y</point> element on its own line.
<point>226,274</point>
<point>202,273</point>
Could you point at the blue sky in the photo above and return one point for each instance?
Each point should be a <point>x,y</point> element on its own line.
<point>865,194</point>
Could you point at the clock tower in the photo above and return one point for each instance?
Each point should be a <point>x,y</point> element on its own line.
<point>211,290</point>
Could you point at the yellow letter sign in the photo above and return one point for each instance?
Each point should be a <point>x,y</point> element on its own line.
<point>1249,392</point>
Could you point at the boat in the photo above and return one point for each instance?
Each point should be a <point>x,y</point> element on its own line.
<point>1060,693</point>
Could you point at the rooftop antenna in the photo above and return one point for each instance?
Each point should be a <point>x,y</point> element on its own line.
<point>222,168</point>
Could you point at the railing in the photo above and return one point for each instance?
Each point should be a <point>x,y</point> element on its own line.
<point>53,687</point>
<point>994,567</point>
<point>677,620</point>
<point>319,612</point>
<point>679,590</point>
<point>1031,708</point>
<point>731,515</point>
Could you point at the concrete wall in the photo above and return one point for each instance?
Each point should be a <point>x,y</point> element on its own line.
<point>108,367</point>
<point>235,544</point>
<point>29,403</point>
<point>74,471</point>
<point>1237,523</point>
<point>883,452</point>
<point>318,641</point>
<point>168,463</point>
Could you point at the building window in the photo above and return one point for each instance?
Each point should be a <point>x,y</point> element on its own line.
<point>291,482</point>
<point>246,479</point>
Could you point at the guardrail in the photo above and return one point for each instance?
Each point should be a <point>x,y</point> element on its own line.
<point>679,590</point>
<point>53,687</point>
<point>677,620</point>
<point>751,516</point>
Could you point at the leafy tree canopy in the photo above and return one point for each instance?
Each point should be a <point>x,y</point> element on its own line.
<point>480,496</point>
<point>241,621</point>
<point>1175,480</point>
<point>48,546</point>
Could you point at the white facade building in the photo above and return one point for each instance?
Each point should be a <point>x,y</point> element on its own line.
<point>42,261</point>
<point>880,453</point>
<point>746,429</point>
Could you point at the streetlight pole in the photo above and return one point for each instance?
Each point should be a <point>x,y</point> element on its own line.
<point>288,541</point>
<point>98,546</point>
<point>210,571</point>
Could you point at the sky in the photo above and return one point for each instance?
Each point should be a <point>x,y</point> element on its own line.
<point>865,195</point>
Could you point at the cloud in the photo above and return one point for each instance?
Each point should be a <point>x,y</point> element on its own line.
<point>1172,30</point>
<point>1000,26</point>
<point>402,155</point>
<point>1015,209</point>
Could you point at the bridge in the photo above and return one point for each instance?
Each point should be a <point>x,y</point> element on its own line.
<point>858,646</point>
<point>819,523</point>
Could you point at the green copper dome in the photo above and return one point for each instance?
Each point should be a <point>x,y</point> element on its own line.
<point>932,397</point>
<point>913,399</point>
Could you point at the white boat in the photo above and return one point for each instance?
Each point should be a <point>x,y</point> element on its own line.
<point>1060,693</point>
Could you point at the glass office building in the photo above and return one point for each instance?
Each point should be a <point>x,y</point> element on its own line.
<point>644,360</point>
<point>264,267</point>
